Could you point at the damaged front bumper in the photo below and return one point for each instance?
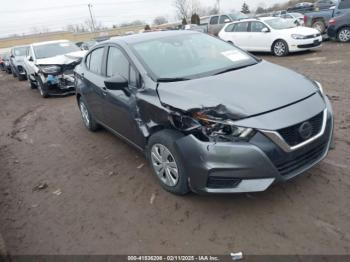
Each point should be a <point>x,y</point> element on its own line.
<point>59,85</point>
<point>237,167</point>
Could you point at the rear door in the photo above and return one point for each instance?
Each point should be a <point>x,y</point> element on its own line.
<point>240,35</point>
<point>213,25</point>
<point>93,79</point>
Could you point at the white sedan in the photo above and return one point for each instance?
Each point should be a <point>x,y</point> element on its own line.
<point>271,34</point>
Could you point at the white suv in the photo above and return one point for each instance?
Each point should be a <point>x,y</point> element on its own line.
<point>49,66</point>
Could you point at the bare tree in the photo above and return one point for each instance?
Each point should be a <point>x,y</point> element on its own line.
<point>182,8</point>
<point>159,20</point>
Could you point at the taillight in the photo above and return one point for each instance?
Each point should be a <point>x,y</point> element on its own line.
<point>332,21</point>
<point>305,19</point>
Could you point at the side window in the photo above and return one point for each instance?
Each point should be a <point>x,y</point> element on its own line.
<point>229,28</point>
<point>241,27</point>
<point>117,63</point>
<point>214,20</point>
<point>223,18</point>
<point>256,26</point>
<point>95,63</point>
<point>344,4</point>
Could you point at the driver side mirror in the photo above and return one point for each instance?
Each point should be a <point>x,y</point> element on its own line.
<point>265,30</point>
<point>117,82</point>
<point>12,56</point>
<point>30,59</point>
<point>227,21</point>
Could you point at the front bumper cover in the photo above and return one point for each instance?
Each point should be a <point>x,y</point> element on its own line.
<point>255,165</point>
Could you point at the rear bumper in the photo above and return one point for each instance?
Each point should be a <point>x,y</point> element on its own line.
<point>248,167</point>
<point>332,32</point>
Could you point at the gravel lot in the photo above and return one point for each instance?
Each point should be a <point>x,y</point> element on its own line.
<point>101,197</point>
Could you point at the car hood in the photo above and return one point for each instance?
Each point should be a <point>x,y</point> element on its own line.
<point>302,30</point>
<point>62,59</point>
<point>238,94</point>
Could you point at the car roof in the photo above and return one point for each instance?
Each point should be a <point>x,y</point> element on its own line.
<point>136,38</point>
<point>255,19</point>
<point>50,42</point>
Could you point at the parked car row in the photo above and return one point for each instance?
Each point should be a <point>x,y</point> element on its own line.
<point>48,66</point>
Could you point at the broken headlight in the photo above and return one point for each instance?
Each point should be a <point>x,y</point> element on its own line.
<point>223,130</point>
<point>50,69</point>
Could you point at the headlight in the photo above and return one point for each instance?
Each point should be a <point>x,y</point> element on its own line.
<point>52,69</point>
<point>222,130</point>
<point>320,89</point>
<point>298,37</point>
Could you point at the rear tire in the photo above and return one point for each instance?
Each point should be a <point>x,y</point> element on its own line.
<point>319,25</point>
<point>88,119</point>
<point>280,48</point>
<point>166,162</point>
<point>343,35</point>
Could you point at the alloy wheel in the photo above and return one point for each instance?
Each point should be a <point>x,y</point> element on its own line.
<point>279,48</point>
<point>164,165</point>
<point>84,113</point>
<point>344,35</point>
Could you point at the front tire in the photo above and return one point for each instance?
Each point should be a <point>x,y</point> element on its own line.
<point>280,48</point>
<point>42,88</point>
<point>166,162</point>
<point>344,35</point>
<point>88,120</point>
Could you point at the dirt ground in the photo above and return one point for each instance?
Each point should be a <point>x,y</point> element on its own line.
<point>101,197</point>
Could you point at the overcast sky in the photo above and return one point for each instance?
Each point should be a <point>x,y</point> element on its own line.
<point>22,16</point>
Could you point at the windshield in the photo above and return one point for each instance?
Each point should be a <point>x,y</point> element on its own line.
<point>20,51</point>
<point>189,56</point>
<point>279,23</point>
<point>54,49</point>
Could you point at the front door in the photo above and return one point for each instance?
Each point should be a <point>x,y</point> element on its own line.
<point>120,108</point>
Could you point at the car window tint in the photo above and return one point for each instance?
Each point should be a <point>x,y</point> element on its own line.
<point>214,20</point>
<point>117,63</point>
<point>241,27</point>
<point>223,18</point>
<point>95,64</point>
<point>229,28</point>
<point>345,4</point>
<point>256,26</point>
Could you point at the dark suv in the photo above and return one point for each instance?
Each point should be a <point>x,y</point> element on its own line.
<point>339,28</point>
<point>208,116</point>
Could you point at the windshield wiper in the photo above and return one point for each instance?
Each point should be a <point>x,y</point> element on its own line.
<point>172,79</point>
<point>232,69</point>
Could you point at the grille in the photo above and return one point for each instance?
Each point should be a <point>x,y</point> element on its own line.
<point>310,45</point>
<point>222,182</point>
<point>302,160</point>
<point>292,136</point>
<point>312,36</point>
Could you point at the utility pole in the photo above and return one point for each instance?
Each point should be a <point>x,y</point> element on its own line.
<point>218,5</point>
<point>92,20</point>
